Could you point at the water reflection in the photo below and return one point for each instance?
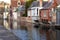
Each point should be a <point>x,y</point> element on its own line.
<point>14,24</point>
<point>23,34</point>
<point>6,24</point>
<point>35,34</point>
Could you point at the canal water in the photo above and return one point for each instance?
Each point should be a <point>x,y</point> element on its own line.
<point>23,34</point>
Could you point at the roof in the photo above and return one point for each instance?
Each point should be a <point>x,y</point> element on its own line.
<point>21,8</point>
<point>48,5</point>
<point>44,3</point>
<point>34,4</point>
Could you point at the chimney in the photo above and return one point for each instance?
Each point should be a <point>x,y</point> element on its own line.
<point>41,3</point>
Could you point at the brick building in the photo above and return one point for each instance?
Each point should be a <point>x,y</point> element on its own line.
<point>14,3</point>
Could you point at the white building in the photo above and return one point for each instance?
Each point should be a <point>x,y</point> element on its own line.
<point>33,10</point>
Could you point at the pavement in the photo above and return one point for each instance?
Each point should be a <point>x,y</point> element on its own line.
<point>6,34</point>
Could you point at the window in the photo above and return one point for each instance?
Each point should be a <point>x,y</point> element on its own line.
<point>37,11</point>
<point>45,14</point>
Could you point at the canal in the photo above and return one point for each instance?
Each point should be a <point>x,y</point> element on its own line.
<point>23,33</point>
<point>26,34</point>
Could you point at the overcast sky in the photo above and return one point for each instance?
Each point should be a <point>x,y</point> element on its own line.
<point>8,1</point>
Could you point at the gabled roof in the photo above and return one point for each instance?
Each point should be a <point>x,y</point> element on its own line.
<point>37,4</point>
<point>48,5</point>
<point>44,3</point>
<point>52,4</point>
<point>34,4</point>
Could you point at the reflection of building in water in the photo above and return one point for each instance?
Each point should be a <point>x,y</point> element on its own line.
<point>15,16</point>
<point>5,9</point>
<point>11,25</point>
<point>6,24</point>
<point>35,34</point>
<point>2,9</point>
<point>14,24</point>
<point>42,35</point>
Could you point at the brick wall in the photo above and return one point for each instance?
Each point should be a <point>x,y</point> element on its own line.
<point>14,3</point>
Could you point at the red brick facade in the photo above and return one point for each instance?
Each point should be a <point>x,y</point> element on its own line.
<point>45,14</point>
<point>14,3</point>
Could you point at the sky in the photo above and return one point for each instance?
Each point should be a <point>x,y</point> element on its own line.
<point>7,1</point>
